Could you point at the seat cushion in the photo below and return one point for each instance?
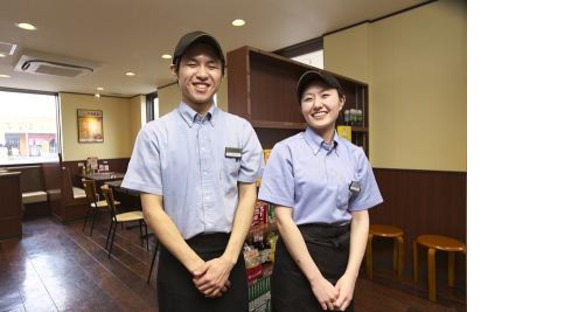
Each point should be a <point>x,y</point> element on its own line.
<point>79,193</point>
<point>130,216</point>
<point>103,203</point>
<point>34,197</point>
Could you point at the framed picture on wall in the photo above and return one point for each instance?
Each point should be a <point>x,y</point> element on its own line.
<point>90,126</point>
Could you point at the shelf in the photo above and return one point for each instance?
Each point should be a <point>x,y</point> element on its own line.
<point>261,89</point>
<point>359,129</point>
<point>262,228</point>
<point>264,124</point>
<point>278,124</point>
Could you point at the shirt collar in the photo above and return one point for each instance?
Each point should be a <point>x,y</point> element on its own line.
<point>190,115</point>
<point>316,142</point>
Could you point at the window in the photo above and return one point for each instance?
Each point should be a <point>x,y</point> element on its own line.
<point>29,128</point>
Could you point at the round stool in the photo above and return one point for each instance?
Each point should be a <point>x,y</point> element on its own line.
<point>434,243</point>
<point>388,232</point>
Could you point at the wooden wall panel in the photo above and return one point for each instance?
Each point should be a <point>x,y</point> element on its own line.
<point>424,202</point>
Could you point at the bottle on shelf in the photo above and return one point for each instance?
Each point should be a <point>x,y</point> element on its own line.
<point>346,114</point>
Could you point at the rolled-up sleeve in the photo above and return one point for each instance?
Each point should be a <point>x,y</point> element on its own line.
<point>277,185</point>
<point>369,195</point>
<point>252,156</point>
<point>144,171</point>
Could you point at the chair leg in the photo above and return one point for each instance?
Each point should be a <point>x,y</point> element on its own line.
<point>415,263</point>
<point>87,216</point>
<point>113,239</point>
<point>431,276</point>
<point>451,269</point>
<point>395,256</point>
<point>109,235</point>
<point>141,232</point>
<point>401,261</point>
<point>369,257</point>
<point>94,219</point>
<point>153,261</point>
<point>146,235</point>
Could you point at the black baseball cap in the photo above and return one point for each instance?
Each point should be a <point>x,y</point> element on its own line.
<point>317,75</point>
<point>194,38</point>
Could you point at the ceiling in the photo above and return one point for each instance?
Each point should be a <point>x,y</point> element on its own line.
<point>131,35</point>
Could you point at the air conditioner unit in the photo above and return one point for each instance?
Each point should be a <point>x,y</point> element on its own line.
<point>53,66</point>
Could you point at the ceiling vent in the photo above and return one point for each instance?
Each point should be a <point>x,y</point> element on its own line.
<point>52,66</point>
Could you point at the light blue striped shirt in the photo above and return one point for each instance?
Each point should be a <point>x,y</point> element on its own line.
<point>313,178</point>
<point>181,156</point>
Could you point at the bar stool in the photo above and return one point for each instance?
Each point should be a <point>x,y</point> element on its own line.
<point>434,243</point>
<point>387,231</point>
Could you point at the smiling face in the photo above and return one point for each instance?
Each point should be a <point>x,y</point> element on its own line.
<point>320,107</point>
<point>199,76</point>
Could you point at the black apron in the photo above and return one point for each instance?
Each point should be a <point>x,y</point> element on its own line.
<point>175,288</point>
<point>328,246</point>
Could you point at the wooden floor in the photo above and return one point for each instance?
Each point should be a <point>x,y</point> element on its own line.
<point>57,268</point>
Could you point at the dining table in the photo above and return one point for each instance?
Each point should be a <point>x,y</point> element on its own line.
<point>103,176</point>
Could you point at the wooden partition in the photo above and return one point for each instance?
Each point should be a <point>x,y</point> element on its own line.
<point>11,205</point>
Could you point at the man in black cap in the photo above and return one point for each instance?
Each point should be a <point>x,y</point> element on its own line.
<point>196,169</point>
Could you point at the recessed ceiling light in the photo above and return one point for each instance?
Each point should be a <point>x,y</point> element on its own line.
<point>129,74</point>
<point>100,88</point>
<point>239,22</point>
<point>167,56</point>
<point>2,55</point>
<point>26,26</point>
<point>4,76</point>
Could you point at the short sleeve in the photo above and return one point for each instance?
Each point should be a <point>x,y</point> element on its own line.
<point>144,171</point>
<point>369,195</point>
<point>252,156</point>
<point>277,185</point>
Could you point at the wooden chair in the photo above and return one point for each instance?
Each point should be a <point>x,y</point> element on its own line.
<point>124,217</point>
<point>90,187</point>
<point>67,202</point>
<point>434,243</point>
<point>386,231</point>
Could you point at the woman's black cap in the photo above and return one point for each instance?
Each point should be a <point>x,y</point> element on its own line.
<point>316,75</point>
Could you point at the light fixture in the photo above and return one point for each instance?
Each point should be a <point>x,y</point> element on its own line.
<point>26,26</point>
<point>166,56</point>
<point>4,76</point>
<point>100,88</point>
<point>129,74</point>
<point>2,55</point>
<point>238,22</point>
<point>98,95</point>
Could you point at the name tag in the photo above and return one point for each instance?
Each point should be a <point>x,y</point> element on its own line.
<point>354,187</point>
<point>233,152</point>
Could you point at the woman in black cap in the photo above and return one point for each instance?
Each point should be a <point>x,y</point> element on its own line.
<point>322,186</point>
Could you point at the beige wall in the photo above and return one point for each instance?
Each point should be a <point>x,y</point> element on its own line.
<point>418,85</point>
<point>170,97</point>
<point>348,52</point>
<point>116,127</point>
